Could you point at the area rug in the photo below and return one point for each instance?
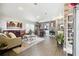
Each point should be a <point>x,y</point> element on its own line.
<point>26,45</point>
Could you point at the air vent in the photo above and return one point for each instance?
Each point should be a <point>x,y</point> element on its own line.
<point>45,13</point>
<point>35,4</point>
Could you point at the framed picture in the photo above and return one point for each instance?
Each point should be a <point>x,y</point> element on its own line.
<point>14,24</point>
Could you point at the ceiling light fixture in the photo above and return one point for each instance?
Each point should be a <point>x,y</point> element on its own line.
<point>37,17</point>
<point>20,8</point>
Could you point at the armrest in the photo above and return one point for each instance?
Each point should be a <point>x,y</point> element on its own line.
<point>15,38</point>
<point>12,42</point>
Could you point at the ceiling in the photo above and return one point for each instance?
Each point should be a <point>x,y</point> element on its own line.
<point>31,11</point>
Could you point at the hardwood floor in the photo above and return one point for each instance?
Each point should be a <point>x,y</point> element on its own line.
<point>48,47</point>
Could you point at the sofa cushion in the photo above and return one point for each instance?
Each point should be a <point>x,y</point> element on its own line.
<point>12,35</point>
<point>2,36</point>
<point>7,34</point>
<point>3,39</point>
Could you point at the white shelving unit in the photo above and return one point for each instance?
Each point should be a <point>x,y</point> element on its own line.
<point>68,33</point>
<point>68,30</point>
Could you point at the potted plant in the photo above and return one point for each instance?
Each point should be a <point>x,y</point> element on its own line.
<point>60,39</point>
<point>30,32</point>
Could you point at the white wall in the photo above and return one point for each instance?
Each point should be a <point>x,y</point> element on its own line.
<point>3,23</point>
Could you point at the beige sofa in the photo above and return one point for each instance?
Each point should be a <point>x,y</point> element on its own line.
<point>10,42</point>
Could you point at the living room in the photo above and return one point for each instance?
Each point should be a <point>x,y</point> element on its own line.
<point>33,29</point>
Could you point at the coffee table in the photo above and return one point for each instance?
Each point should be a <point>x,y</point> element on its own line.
<point>29,37</point>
